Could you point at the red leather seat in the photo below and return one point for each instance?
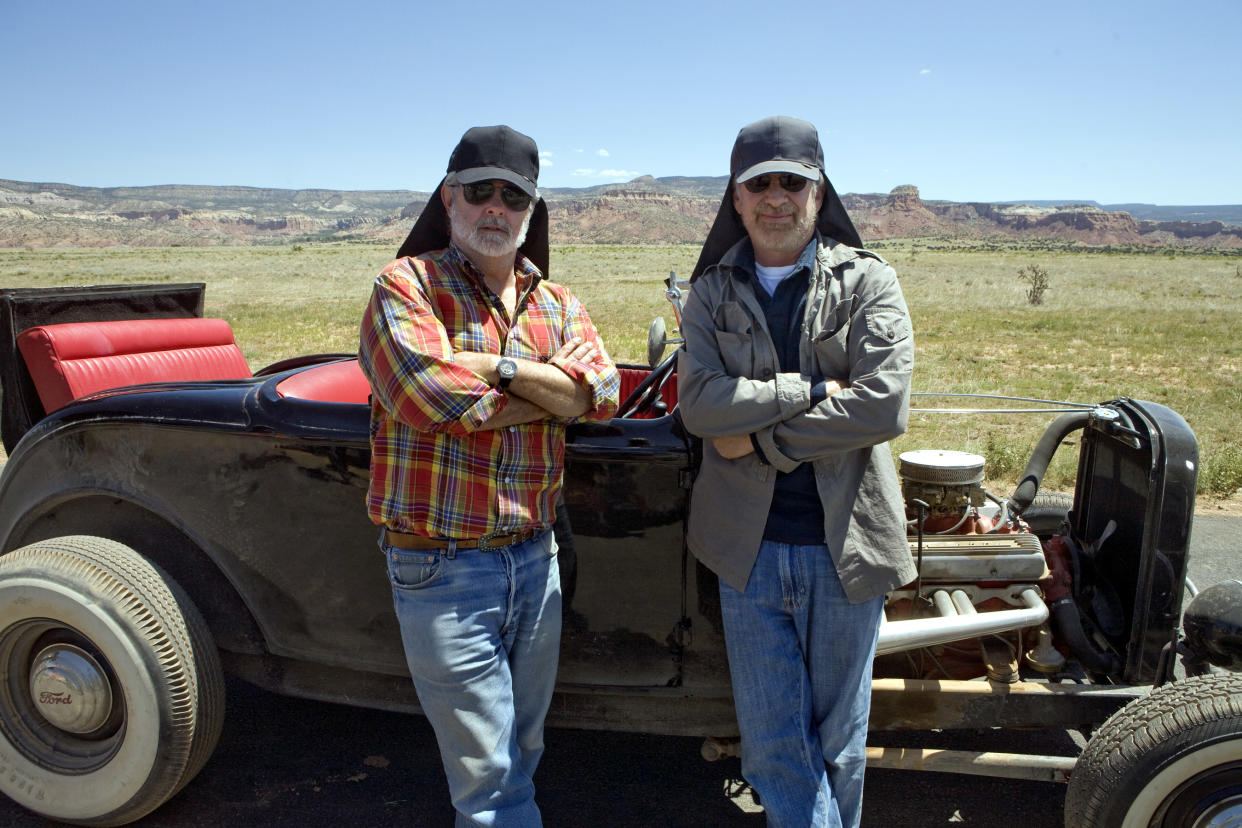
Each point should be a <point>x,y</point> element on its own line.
<point>72,360</point>
<point>341,382</point>
<point>632,377</point>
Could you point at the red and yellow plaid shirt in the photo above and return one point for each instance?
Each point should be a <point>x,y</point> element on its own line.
<point>434,471</point>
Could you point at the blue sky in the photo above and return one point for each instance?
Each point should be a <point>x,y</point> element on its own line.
<point>969,101</point>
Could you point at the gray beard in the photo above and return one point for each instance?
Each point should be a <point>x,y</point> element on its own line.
<point>475,240</point>
<point>793,238</point>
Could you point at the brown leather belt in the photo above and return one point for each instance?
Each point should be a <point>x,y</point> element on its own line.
<point>408,540</point>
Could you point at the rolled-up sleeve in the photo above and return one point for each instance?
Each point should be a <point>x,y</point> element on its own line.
<point>405,353</point>
<point>598,375</point>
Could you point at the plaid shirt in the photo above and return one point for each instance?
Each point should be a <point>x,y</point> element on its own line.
<point>434,470</point>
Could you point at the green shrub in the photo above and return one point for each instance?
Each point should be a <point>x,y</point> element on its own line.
<point>1037,278</point>
<point>1220,472</point>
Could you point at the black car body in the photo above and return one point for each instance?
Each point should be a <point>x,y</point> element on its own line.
<point>247,498</point>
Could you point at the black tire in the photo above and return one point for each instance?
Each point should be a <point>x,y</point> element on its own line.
<point>1172,758</point>
<point>1047,512</point>
<point>111,692</point>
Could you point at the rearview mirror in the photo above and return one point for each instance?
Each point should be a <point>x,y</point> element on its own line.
<point>657,340</point>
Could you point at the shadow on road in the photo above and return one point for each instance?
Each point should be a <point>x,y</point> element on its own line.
<point>290,762</point>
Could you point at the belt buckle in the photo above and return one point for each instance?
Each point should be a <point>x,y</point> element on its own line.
<point>485,541</point>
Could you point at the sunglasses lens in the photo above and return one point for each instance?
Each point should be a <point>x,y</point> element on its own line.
<point>757,184</point>
<point>481,192</point>
<point>514,198</point>
<point>788,181</point>
<point>477,193</point>
<point>792,183</point>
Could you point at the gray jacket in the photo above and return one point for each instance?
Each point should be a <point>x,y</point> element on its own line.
<point>856,331</point>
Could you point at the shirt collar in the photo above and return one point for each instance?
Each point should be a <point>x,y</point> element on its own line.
<point>742,257</point>
<point>528,276</point>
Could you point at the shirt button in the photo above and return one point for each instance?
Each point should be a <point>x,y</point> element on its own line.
<point>512,428</point>
<point>508,479</point>
<point>767,372</point>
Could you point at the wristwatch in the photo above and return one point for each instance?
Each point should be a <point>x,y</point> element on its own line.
<point>507,368</point>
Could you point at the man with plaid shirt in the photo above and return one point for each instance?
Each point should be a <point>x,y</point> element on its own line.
<point>476,365</point>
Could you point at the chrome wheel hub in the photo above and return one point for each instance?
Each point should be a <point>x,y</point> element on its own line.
<point>70,689</point>
<point>1224,814</point>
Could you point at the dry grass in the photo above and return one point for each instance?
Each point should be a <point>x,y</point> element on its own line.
<point>1156,326</point>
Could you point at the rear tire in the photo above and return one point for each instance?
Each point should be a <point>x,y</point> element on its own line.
<point>1170,759</point>
<point>111,692</point>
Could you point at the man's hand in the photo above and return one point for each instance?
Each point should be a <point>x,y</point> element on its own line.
<point>731,448</point>
<point>548,385</point>
<point>575,350</point>
<point>484,364</point>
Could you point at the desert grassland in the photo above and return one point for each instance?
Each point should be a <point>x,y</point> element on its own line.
<point>1160,325</point>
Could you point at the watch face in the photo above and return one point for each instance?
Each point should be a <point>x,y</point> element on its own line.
<point>507,369</point>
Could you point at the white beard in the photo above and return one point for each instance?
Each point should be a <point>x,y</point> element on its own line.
<point>480,241</point>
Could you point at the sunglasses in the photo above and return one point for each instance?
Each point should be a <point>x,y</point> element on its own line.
<point>789,182</point>
<point>481,192</point>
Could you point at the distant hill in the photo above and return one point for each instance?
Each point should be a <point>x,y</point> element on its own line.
<point>1229,214</point>
<point>671,210</point>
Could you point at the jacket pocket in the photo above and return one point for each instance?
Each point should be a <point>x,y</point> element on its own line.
<point>736,352</point>
<point>889,324</point>
<point>832,355</point>
<point>731,316</point>
<point>886,329</point>
<point>836,319</point>
<point>830,344</point>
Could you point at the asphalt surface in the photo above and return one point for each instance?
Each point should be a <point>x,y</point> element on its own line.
<point>289,762</point>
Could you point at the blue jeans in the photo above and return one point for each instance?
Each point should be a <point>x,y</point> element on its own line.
<point>482,631</point>
<point>800,656</point>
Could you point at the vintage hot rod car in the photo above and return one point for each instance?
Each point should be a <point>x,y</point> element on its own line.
<point>167,516</point>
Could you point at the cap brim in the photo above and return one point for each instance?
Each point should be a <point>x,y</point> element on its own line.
<point>475,174</point>
<point>779,165</point>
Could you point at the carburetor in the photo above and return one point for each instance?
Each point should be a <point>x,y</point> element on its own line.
<point>949,483</point>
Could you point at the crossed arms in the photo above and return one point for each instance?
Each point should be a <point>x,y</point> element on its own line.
<point>866,404</point>
<point>418,375</point>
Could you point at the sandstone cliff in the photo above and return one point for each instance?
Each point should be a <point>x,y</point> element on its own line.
<point>643,211</point>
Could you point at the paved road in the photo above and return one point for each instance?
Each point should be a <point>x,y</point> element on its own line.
<point>288,762</point>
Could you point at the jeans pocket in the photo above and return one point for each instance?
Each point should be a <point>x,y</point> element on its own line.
<point>411,569</point>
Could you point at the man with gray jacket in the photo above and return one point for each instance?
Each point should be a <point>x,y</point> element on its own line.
<point>795,372</point>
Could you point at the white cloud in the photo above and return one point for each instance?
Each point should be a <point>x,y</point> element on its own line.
<point>602,153</point>
<point>591,172</point>
<point>546,155</point>
<point>924,71</point>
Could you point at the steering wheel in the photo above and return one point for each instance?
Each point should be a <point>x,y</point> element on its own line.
<point>647,394</point>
